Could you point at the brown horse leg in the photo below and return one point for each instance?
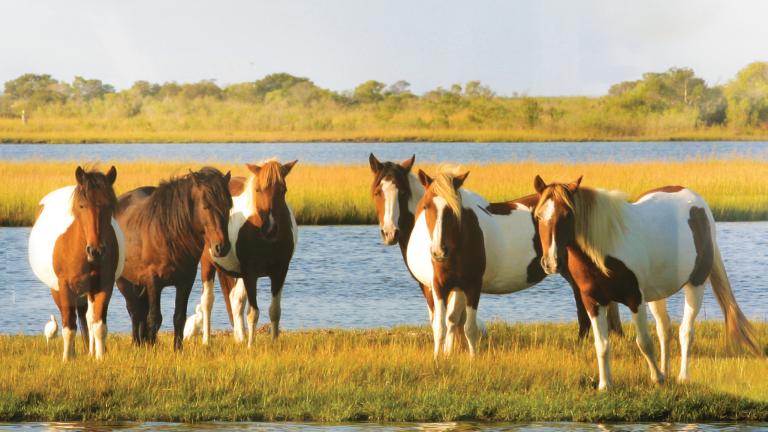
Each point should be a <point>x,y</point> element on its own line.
<point>154,317</point>
<point>614,320</point>
<point>183,289</point>
<point>277,281</point>
<point>135,311</point>
<point>250,281</point>
<point>227,283</point>
<point>581,312</point>
<point>82,318</point>
<point>68,321</point>
<point>430,301</point>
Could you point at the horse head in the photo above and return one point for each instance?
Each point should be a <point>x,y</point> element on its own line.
<point>93,205</point>
<point>268,189</point>
<point>390,191</point>
<point>442,209</point>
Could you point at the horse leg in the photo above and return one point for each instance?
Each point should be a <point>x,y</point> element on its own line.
<point>208,274</point>
<point>142,309</point>
<point>471,330</point>
<point>89,320</point>
<point>82,309</point>
<point>438,321</point>
<point>645,343</point>
<point>154,317</point>
<point>98,303</point>
<point>600,332</point>
<point>660,315</point>
<point>276,284</point>
<point>250,282</point>
<point>131,304</point>
<point>694,295</point>
<point>183,289</point>
<point>227,284</point>
<point>614,319</point>
<point>68,321</point>
<point>430,302</point>
<point>581,312</point>
<point>457,303</point>
<point>237,298</point>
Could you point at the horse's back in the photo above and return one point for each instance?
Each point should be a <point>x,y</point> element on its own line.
<point>53,220</point>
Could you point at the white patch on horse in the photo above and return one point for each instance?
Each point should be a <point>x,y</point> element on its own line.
<point>54,221</point>
<point>418,255</point>
<point>548,210</point>
<point>391,206</point>
<point>242,209</point>
<point>552,252</point>
<point>437,231</point>
<point>417,192</point>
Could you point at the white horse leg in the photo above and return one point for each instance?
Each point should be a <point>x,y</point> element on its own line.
<point>693,298</point>
<point>438,324</point>
<point>600,331</point>
<point>457,303</point>
<point>472,330</point>
<point>274,313</point>
<point>68,335</point>
<point>660,315</point>
<point>237,299</point>
<point>89,322</point>
<point>99,336</point>
<point>206,301</point>
<point>645,343</point>
<point>253,318</point>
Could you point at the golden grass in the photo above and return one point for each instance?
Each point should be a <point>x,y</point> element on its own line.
<point>524,372</point>
<point>339,194</point>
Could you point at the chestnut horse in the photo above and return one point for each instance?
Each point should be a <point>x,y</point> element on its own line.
<point>76,249</point>
<point>396,193</point>
<point>263,234</point>
<point>166,227</point>
<point>636,254</point>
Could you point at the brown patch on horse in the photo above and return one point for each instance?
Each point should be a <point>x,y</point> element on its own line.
<point>237,185</point>
<point>598,289</point>
<point>664,189</point>
<point>506,207</point>
<point>702,240</point>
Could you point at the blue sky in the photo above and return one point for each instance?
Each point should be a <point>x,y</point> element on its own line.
<point>543,47</point>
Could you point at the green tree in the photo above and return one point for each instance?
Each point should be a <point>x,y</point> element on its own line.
<point>531,112</point>
<point>369,92</point>
<point>748,96</point>
<point>32,90</point>
<point>87,89</point>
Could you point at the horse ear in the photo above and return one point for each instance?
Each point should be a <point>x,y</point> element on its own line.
<point>408,163</point>
<point>375,164</point>
<point>575,185</point>
<point>227,176</point>
<point>459,180</point>
<point>253,168</point>
<point>80,175</point>
<point>424,179</point>
<point>539,185</point>
<point>112,175</point>
<point>286,168</point>
<point>194,177</point>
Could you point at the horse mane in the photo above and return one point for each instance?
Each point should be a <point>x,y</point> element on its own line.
<point>96,189</point>
<point>397,173</point>
<point>269,174</point>
<point>598,218</point>
<point>168,213</point>
<point>442,186</point>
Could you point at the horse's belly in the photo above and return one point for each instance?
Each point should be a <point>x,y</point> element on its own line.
<point>52,222</point>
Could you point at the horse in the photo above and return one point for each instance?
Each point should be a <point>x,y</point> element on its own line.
<point>76,248</point>
<point>167,227</point>
<point>396,193</point>
<point>263,232</point>
<point>637,254</point>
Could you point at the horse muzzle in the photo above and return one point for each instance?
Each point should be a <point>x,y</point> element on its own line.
<point>220,249</point>
<point>390,237</point>
<point>439,256</point>
<point>93,253</point>
<point>549,266</point>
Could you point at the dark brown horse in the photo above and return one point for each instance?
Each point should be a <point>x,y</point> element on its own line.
<point>166,227</point>
<point>263,233</point>
<point>75,248</point>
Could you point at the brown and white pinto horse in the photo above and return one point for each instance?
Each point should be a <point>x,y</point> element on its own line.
<point>166,227</point>
<point>76,249</point>
<point>636,254</point>
<point>263,234</point>
<point>396,193</point>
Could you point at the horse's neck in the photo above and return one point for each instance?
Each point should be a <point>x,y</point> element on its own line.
<point>408,214</point>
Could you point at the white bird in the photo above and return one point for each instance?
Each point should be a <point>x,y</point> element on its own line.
<point>194,324</point>
<point>51,329</point>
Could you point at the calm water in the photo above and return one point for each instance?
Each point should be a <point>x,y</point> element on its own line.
<point>342,276</point>
<point>354,153</point>
<point>400,427</point>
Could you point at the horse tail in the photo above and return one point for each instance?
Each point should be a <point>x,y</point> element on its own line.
<point>738,331</point>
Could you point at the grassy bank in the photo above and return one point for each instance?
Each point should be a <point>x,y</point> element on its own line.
<point>524,372</point>
<point>339,194</point>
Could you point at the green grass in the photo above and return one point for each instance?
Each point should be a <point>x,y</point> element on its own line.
<point>524,372</point>
<point>340,194</point>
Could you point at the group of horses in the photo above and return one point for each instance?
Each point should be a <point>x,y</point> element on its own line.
<point>455,244</point>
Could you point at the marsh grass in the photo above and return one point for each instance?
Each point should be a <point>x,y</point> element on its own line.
<point>524,372</point>
<point>340,194</point>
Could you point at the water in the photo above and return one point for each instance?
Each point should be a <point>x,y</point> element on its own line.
<point>397,427</point>
<point>355,153</point>
<point>343,277</point>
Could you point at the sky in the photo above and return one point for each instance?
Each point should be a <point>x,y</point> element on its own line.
<point>537,47</point>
